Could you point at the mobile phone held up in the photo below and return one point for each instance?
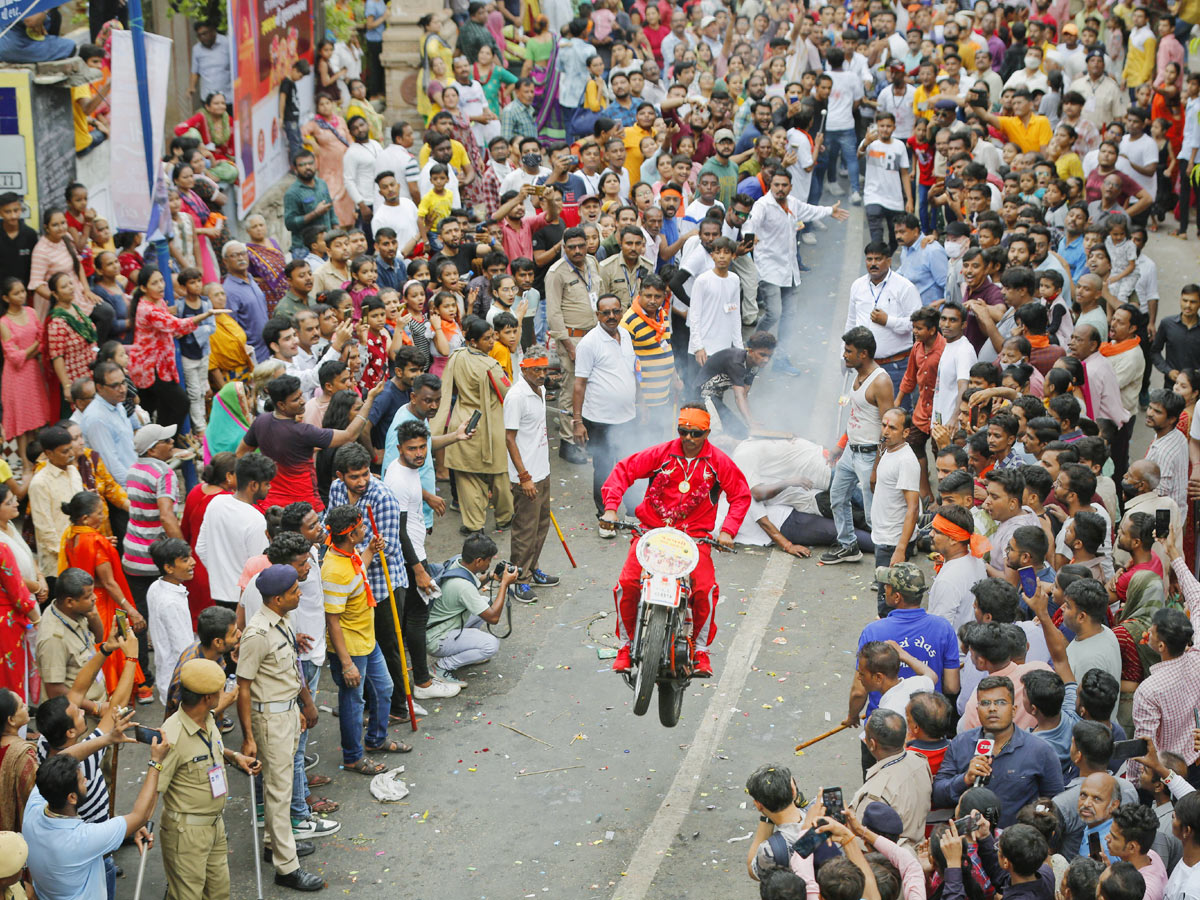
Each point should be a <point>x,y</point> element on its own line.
<point>1094,850</point>
<point>473,422</point>
<point>1129,749</point>
<point>811,840</point>
<point>834,803</point>
<point>1029,581</point>
<point>144,735</point>
<point>1162,523</point>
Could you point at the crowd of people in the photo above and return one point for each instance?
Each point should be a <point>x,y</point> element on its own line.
<point>601,217</point>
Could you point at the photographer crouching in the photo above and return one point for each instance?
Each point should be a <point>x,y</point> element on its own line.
<point>456,635</point>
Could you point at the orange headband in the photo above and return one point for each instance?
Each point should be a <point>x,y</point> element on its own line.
<point>670,192</point>
<point>695,418</point>
<point>978,543</point>
<point>528,363</point>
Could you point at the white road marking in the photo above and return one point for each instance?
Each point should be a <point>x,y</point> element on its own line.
<point>643,867</point>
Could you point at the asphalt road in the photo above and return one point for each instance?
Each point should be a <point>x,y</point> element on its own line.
<point>592,801</point>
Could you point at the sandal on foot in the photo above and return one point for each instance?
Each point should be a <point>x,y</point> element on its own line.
<point>323,806</point>
<point>318,780</point>
<point>392,747</point>
<point>366,766</point>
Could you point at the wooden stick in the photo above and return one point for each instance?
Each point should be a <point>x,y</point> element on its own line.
<point>387,577</point>
<point>821,737</point>
<point>548,771</point>
<point>523,734</point>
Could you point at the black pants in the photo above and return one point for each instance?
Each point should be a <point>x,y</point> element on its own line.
<point>607,444</point>
<point>138,586</point>
<point>1188,191</point>
<point>373,68</point>
<point>385,635</point>
<point>166,401</point>
<point>1120,448</point>
<point>416,617</point>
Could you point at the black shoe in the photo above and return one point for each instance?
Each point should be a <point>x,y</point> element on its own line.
<point>300,880</point>
<point>225,724</point>
<point>571,453</point>
<point>303,848</point>
<point>118,871</point>
<point>541,579</point>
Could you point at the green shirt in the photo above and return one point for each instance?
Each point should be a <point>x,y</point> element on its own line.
<point>460,600</point>
<point>290,304</point>
<point>298,201</point>
<point>491,88</point>
<point>727,175</point>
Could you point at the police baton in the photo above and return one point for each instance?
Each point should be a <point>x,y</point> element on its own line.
<point>137,891</point>
<point>254,832</point>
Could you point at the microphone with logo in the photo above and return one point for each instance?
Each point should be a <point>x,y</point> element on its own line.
<point>984,747</point>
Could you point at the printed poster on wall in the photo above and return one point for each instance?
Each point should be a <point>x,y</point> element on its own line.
<point>268,36</point>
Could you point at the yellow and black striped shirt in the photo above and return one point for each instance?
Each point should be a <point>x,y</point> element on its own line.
<point>655,361</point>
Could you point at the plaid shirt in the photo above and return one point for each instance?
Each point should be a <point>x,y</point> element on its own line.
<point>380,500</point>
<point>490,188</point>
<point>1163,703</point>
<point>516,119</point>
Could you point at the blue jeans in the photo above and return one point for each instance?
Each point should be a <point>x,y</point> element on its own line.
<point>375,681</point>
<point>300,791</point>
<point>844,143</point>
<point>110,876</point>
<point>923,210</point>
<point>291,131</point>
<point>895,371</point>
<point>779,303</point>
<point>539,322</point>
<point>853,470</point>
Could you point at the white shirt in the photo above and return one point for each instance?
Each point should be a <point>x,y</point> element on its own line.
<point>715,319</point>
<point>517,179</point>
<point>609,366</point>
<point>799,143</point>
<point>472,101</point>
<point>231,533</point>
<point>170,625</point>
<point>397,160</point>
<point>1105,552</point>
<point>308,618</point>
<point>694,260</point>
<point>1184,883</point>
<point>898,298</point>
<point>405,483</point>
<point>1035,80</point>
<point>901,107</point>
<point>1100,651</point>
<point>847,87</point>
<point>402,217</point>
<point>525,413</point>
<point>884,162</point>
<point>697,210</point>
<point>425,183</point>
<point>775,228</point>
<point>358,170</point>
<point>953,367</point>
<point>898,471</point>
<point>1142,152</point>
<point>950,595</point>
<point>306,370</point>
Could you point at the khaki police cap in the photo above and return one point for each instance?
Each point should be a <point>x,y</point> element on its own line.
<point>202,676</point>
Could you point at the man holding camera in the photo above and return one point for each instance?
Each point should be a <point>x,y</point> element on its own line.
<point>455,635</point>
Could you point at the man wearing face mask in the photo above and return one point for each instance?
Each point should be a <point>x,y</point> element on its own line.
<point>958,239</point>
<point>1139,489</point>
<point>530,170</point>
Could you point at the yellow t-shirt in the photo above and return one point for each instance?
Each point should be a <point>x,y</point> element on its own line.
<point>346,598</point>
<point>1029,138</point>
<point>83,132</point>
<point>1069,165</point>
<point>500,354</point>
<point>439,204</point>
<point>458,158</point>
<point>920,97</point>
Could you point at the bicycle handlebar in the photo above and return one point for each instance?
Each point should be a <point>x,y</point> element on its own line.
<point>638,529</point>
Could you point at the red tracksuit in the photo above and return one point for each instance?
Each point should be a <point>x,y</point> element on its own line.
<point>694,512</point>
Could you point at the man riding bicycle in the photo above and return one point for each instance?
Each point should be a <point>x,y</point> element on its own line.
<point>687,476</point>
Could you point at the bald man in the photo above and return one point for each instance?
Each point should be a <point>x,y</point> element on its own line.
<point>1140,489</point>
<point>1099,797</point>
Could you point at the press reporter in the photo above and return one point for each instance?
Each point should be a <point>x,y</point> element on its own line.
<point>455,635</point>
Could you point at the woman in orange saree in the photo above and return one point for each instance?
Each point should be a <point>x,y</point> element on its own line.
<point>84,547</point>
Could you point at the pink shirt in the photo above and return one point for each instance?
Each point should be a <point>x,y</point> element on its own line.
<point>1102,391</point>
<point>1155,876</point>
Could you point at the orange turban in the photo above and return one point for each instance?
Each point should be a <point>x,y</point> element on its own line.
<point>694,418</point>
<point>979,544</point>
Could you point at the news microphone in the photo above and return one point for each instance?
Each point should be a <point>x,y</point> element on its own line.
<point>984,747</point>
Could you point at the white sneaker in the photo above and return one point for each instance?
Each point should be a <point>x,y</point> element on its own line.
<point>856,198</point>
<point>418,708</point>
<point>835,189</point>
<point>818,225</point>
<point>447,677</point>
<point>437,690</point>
<point>807,238</point>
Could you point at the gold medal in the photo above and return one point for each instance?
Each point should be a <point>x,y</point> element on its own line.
<point>684,486</point>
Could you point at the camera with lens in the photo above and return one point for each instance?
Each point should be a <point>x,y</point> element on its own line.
<point>501,567</point>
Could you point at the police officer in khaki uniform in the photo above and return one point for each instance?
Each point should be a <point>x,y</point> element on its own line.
<point>572,289</point>
<point>194,787</point>
<point>67,636</point>
<point>271,715</point>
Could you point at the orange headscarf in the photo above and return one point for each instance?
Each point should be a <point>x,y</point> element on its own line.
<point>695,418</point>
<point>978,543</point>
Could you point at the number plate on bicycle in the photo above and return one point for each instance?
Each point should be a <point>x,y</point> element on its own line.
<point>661,590</point>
